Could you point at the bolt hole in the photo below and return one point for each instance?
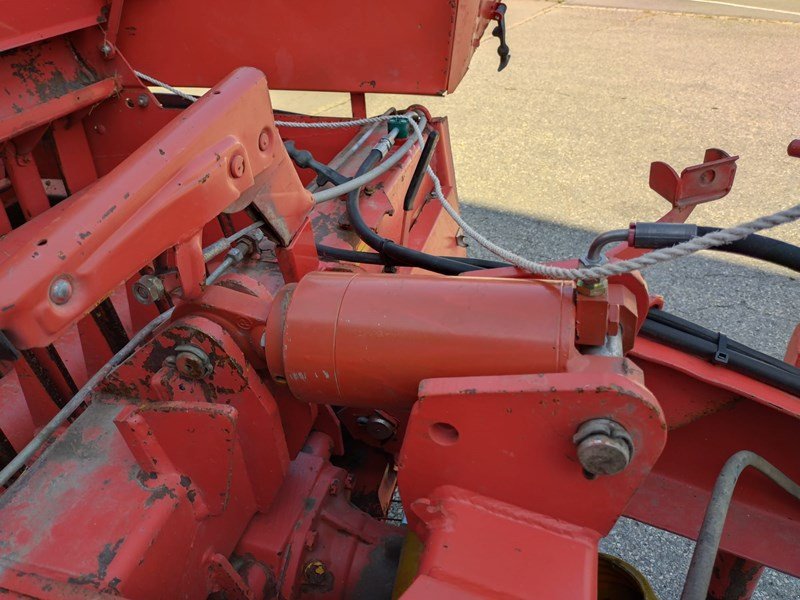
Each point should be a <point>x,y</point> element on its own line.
<point>280,379</point>
<point>708,176</point>
<point>443,434</point>
<point>129,102</point>
<point>41,242</point>
<point>215,92</point>
<point>589,476</point>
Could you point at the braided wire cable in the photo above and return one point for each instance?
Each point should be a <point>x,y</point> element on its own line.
<point>704,242</point>
<point>166,86</point>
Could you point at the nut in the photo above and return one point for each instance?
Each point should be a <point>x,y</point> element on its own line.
<point>592,287</point>
<point>604,447</point>
<point>148,289</point>
<point>237,254</point>
<point>192,362</point>
<point>61,290</point>
<point>143,100</point>
<point>315,573</point>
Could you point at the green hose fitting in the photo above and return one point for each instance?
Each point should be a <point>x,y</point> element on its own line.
<point>402,126</point>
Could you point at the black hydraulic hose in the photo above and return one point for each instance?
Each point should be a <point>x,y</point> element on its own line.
<point>693,339</point>
<point>419,172</point>
<point>675,322</point>
<point>373,258</point>
<point>701,568</point>
<point>762,248</point>
<point>396,254</point>
<point>665,235</point>
<point>366,258</point>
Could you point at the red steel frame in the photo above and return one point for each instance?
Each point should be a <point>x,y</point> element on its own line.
<point>239,482</point>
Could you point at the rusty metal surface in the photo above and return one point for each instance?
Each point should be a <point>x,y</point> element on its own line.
<point>252,446</point>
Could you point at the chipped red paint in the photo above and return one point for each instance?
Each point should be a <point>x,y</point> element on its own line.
<point>266,467</point>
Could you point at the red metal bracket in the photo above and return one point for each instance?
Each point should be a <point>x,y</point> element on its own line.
<point>710,180</point>
<point>167,191</point>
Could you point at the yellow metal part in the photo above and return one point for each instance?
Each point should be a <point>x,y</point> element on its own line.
<point>409,564</point>
<point>618,580</point>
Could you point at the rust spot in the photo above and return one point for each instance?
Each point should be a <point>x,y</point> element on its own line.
<point>159,493</point>
<point>161,152</point>
<point>104,559</point>
<point>6,307</point>
<point>83,235</point>
<point>42,79</point>
<point>204,178</point>
<point>110,210</point>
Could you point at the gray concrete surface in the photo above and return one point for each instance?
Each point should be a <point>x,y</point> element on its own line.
<point>783,10</point>
<point>557,148</point>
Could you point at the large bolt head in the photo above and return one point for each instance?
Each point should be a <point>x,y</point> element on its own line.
<point>602,455</point>
<point>604,447</point>
<point>60,290</point>
<point>237,166</point>
<point>380,428</point>
<point>192,362</point>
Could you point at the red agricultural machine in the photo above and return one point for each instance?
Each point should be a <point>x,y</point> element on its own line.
<point>230,336</point>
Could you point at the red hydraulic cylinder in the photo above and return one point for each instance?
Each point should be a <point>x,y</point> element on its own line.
<point>369,339</point>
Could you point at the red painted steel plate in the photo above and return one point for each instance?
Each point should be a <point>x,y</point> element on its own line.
<point>420,47</point>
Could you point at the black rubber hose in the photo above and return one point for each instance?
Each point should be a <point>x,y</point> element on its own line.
<point>693,329</point>
<point>372,258</point>
<point>762,248</point>
<point>693,339</point>
<point>419,172</point>
<point>394,253</point>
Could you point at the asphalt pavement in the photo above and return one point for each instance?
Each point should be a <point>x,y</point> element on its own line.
<point>557,147</point>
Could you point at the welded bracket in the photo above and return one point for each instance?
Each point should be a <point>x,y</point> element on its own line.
<point>710,180</point>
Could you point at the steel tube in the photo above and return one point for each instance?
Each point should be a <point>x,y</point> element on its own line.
<point>705,552</point>
<point>593,255</point>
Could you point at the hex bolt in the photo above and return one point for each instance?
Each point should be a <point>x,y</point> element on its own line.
<point>604,447</point>
<point>148,289</point>
<point>237,166</point>
<point>143,100</point>
<point>380,428</point>
<point>192,363</point>
<point>591,287</point>
<point>263,140</point>
<point>61,290</point>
